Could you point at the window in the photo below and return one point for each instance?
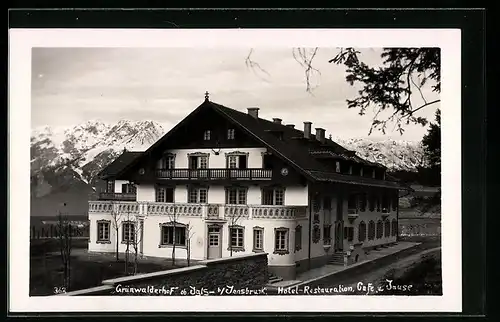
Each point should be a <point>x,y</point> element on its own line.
<point>197,195</point>
<point>198,161</point>
<point>110,186</point>
<point>230,134</point>
<point>129,188</point>
<point>337,166</point>
<point>362,202</point>
<point>362,231</point>
<point>327,234</point>
<point>166,162</point>
<point>164,194</point>
<point>371,230</point>
<point>258,239</point>
<point>236,234</point>
<point>378,203</point>
<point>387,228</point>
<point>206,135</point>
<point>236,196</point>
<point>281,241</point>
<point>232,162</point>
<point>103,231</point>
<point>298,238</point>
<point>380,229</point>
<point>128,232</point>
<point>372,202</point>
<point>395,201</point>
<point>273,196</point>
<point>394,227</point>
<point>168,231</point>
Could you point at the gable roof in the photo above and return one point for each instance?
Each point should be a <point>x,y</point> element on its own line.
<point>119,164</point>
<point>293,148</point>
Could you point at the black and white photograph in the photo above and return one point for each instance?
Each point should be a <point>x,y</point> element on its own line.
<point>279,165</point>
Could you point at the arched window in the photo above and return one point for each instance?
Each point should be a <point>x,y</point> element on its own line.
<point>380,229</point>
<point>387,228</point>
<point>394,227</point>
<point>362,231</point>
<point>371,230</point>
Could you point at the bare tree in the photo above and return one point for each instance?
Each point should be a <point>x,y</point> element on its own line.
<point>137,240</point>
<point>233,221</point>
<point>65,247</point>
<point>116,223</point>
<point>189,235</point>
<point>173,219</point>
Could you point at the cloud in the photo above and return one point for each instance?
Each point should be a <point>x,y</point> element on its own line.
<point>165,84</point>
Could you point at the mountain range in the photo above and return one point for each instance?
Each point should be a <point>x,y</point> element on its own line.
<point>65,161</point>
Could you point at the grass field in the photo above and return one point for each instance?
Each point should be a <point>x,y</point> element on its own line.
<point>87,270</point>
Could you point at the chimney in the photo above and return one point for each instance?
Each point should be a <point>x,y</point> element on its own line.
<point>277,120</point>
<point>253,112</point>
<point>290,126</point>
<point>320,134</point>
<point>307,130</point>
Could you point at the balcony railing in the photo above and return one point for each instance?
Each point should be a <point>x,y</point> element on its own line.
<point>215,174</point>
<point>117,196</point>
<point>207,211</point>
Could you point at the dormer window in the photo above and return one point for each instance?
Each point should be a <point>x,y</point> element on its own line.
<point>373,174</point>
<point>337,166</point>
<point>230,134</point>
<point>206,135</point>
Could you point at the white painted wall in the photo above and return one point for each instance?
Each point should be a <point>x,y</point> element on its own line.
<point>118,185</point>
<point>218,161</point>
<point>294,195</point>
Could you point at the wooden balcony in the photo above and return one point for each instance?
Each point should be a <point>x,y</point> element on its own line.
<point>219,212</point>
<point>117,196</point>
<point>215,174</point>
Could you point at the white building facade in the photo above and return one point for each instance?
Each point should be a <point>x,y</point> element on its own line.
<point>212,192</point>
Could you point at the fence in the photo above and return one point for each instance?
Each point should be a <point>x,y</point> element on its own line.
<point>419,227</point>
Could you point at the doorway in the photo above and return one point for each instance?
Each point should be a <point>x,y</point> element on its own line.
<point>214,242</point>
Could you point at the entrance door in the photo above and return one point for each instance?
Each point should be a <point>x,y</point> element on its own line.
<point>214,242</point>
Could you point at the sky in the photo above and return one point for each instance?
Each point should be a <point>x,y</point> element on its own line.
<point>74,85</point>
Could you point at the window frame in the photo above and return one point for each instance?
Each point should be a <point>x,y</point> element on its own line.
<point>131,232</point>
<point>197,191</point>
<point>256,231</point>
<point>236,248</point>
<point>379,231</point>
<point>231,134</point>
<point>178,226</point>
<point>387,228</point>
<point>207,135</point>
<point>274,196</point>
<point>372,230</point>
<point>286,249</point>
<point>362,232</point>
<point>158,189</point>
<point>298,238</point>
<point>100,223</point>
<point>237,190</point>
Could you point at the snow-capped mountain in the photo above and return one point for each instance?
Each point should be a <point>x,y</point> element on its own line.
<point>78,153</point>
<point>396,155</point>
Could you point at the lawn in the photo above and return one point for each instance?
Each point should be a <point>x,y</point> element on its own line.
<point>87,270</point>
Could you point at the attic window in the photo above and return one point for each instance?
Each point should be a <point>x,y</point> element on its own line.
<point>337,166</point>
<point>230,134</point>
<point>206,135</point>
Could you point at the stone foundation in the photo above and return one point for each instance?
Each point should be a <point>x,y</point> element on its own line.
<point>240,272</point>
